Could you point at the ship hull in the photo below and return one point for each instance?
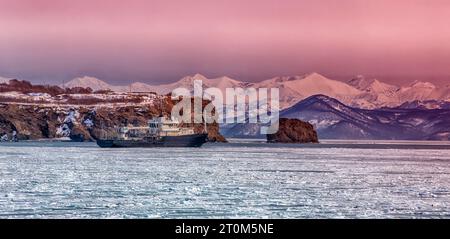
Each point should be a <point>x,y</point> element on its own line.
<point>196,140</point>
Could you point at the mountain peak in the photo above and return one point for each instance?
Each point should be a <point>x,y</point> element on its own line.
<point>224,78</point>
<point>320,97</point>
<point>360,82</point>
<point>87,81</point>
<point>318,101</point>
<point>376,82</point>
<point>190,79</point>
<point>314,75</point>
<point>227,80</point>
<point>422,84</point>
<point>379,86</point>
<point>323,98</point>
<point>199,76</point>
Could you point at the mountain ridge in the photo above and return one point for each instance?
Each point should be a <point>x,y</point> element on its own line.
<point>333,119</point>
<point>359,92</point>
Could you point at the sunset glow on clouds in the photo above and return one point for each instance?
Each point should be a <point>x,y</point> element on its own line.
<point>155,41</point>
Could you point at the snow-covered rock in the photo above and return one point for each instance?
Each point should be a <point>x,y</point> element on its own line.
<point>70,120</point>
<point>72,117</point>
<point>4,79</point>
<point>88,122</point>
<point>63,131</point>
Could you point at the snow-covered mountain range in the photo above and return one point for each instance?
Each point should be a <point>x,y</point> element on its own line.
<point>358,92</point>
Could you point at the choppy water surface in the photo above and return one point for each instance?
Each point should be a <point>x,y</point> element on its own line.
<point>67,180</point>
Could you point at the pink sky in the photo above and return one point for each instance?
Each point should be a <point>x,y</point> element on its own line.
<point>155,41</point>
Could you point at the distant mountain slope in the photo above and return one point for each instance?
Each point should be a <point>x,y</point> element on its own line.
<point>375,93</point>
<point>417,91</point>
<point>427,104</point>
<point>335,120</point>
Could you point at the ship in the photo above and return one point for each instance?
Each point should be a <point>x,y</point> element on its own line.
<point>159,132</point>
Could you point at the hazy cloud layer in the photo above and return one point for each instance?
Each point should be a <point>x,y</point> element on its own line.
<point>156,41</point>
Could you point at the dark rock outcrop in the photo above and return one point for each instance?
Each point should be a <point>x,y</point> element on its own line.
<point>293,131</point>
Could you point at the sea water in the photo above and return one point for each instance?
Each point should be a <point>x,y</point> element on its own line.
<point>235,180</point>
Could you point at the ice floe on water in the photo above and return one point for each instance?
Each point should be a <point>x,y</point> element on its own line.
<point>80,180</point>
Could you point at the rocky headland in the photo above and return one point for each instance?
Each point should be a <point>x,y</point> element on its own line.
<point>79,114</point>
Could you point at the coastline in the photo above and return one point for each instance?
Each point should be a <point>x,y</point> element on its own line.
<point>257,143</point>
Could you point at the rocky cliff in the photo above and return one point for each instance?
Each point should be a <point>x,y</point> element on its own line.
<point>293,131</point>
<point>82,123</point>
